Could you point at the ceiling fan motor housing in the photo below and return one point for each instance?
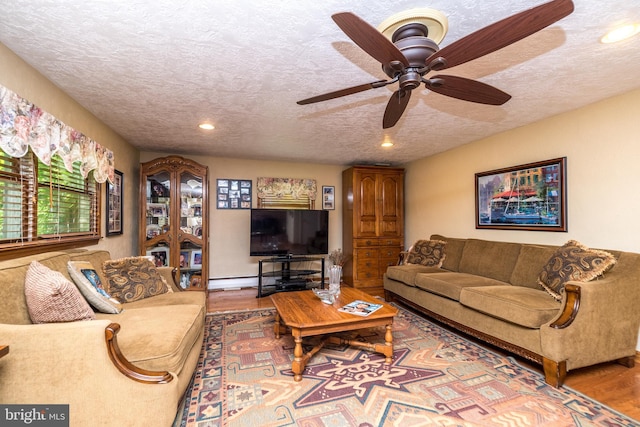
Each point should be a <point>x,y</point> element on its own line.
<point>412,41</point>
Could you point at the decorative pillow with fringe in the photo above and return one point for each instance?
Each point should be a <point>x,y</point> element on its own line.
<point>134,278</point>
<point>429,253</point>
<point>573,262</point>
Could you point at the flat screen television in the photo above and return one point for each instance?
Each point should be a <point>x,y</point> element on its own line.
<point>283,232</point>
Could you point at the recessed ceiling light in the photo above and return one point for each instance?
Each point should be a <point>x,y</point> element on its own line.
<point>206,126</point>
<point>387,144</point>
<point>621,33</point>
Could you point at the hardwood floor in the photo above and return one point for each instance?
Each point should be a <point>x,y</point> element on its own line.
<point>612,384</point>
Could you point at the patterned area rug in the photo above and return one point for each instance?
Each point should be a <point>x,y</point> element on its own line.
<point>437,378</point>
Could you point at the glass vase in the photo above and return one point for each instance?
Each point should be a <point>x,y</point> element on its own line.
<point>335,271</point>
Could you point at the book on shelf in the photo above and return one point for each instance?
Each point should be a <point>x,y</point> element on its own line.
<point>360,308</point>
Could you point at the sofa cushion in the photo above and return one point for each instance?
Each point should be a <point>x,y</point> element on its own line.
<point>573,261</point>
<point>170,298</point>
<point>430,253</point>
<point>88,282</point>
<point>52,298</point>
<point>523,306</point>
<point>158,338</point>
<point>134,278</point>
<point>489,259</point>
<point>450,284</point>
<point>407,273</point>
<point>531,261</point>
<point>454,250</point>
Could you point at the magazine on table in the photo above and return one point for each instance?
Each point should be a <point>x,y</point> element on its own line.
<point>360,308</point>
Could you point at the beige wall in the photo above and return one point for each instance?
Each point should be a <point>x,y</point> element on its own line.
<point>20,77</point>
<point>229,239</point>
<point>601,143</point>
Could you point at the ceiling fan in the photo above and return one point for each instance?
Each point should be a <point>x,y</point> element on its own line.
<point>410,55</point>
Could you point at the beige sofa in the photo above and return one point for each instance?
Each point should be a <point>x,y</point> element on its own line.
<point>489,290</point>
<point>126,369</point>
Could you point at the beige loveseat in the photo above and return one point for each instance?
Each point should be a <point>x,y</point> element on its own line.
<point>125,369</point>
<point>490,290</point>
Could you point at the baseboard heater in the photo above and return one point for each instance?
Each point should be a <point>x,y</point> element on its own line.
<point>233,283</point>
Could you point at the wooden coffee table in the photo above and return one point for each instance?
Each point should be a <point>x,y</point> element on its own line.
<point>306,315</point>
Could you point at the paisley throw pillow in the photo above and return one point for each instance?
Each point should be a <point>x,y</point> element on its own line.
<point>133,278</point>
<point>429,253</point>
<point>573,262</point>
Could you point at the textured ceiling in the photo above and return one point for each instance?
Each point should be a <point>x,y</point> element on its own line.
<point>153,69</point>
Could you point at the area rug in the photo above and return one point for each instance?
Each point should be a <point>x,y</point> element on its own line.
<point>437,378</point>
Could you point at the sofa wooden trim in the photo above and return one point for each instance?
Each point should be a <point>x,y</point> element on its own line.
<point>570,309</point>
<point>126,367</point>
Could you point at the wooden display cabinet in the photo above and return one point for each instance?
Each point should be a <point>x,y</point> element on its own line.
<point>174,218</point>
<point>373,224</point>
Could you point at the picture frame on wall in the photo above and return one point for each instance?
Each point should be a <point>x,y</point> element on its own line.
<point>114,204</point>
<point>532,196</point>
<point>328,197</point>
<point>233,194</point>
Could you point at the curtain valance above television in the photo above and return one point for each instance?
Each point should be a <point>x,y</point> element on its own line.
<point>286,192</point>
<point>24,125</point>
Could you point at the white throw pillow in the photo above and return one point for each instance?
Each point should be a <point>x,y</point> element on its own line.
<point>88,282</point>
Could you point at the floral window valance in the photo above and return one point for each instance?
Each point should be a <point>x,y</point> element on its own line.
<point>286,192</point>
<point>24,125</point>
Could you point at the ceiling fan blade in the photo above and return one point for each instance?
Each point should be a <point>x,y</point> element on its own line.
<point>344,92</point>
<point>395,107</point>
<point>499,34</point>
<point>369,39</point>
<point>467,89</point>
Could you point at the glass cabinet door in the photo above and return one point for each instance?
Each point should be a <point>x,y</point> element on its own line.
<point>190,234</point>
<point>191,205</point>
<point>158,218</point>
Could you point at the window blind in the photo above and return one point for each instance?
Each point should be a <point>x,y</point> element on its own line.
<point>39,201</point>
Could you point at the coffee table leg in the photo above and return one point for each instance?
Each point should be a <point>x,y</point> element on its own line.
<point>388,340</point>
<point>276,326</point>
<point>298,363</point>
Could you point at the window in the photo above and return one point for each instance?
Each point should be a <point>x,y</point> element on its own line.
<point>44,205</point>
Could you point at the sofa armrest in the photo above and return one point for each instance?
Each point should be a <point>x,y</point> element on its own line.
<point>69,363</point>
<point>126,367</point>
<point>605,323</point>
<point>170,275</point>
<point>571,305</point>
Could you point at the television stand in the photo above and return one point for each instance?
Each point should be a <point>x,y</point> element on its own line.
<point>289,276</point>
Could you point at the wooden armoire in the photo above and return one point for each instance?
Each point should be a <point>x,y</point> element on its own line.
<point>372,224</point>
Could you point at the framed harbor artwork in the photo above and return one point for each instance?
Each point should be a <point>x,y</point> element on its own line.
<point>525,197</point>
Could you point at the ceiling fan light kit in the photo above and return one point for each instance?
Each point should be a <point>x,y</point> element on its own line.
<point>406,44</point>
<point>435,21</point>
